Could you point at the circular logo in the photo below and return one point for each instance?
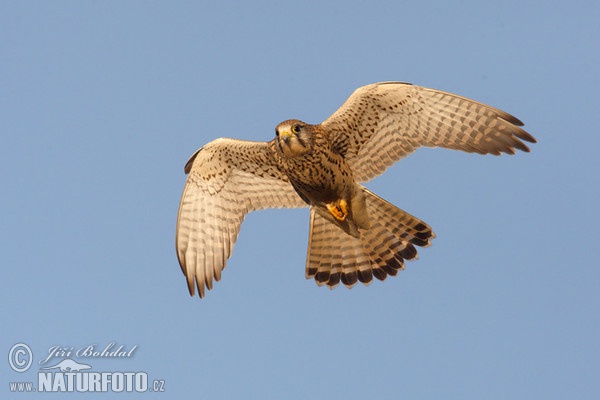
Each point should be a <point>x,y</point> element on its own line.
<point>20,357</point>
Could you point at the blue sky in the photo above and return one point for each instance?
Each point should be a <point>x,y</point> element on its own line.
<point>102,103</point>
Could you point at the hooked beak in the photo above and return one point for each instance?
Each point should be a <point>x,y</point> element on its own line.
<point>285,135</point>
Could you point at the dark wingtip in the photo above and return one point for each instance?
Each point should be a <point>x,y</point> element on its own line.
<point>527,137</point>
<point>191,284</point>
<point>200,287</point>
<point>518,133</point>
<point>191,288</point>
<point>512,119</point>
<point>188,165</point>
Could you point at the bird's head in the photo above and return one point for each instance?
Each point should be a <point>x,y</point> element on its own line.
<point>294,138</point>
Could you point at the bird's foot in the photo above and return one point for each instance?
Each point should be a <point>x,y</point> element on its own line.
<point>339,209</point>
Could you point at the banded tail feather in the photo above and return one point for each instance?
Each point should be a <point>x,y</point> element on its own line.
<point>334,256</point>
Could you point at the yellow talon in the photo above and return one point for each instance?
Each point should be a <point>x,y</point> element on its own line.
<point>339,211</point>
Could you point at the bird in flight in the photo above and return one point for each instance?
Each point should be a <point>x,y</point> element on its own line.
<point>354,234</point>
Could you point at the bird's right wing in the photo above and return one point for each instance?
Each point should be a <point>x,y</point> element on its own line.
<point>383,122</point>
<point>227,179</point>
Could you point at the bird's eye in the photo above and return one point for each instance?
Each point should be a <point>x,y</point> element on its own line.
<point>296,128</point>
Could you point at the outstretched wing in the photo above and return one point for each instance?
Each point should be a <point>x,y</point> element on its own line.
<point>227,179</point>
<point>383,122</point>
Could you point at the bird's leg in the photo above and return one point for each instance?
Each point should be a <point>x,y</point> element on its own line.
<point>339,209</point>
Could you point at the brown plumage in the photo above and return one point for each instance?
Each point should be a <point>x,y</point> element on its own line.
<point>354,234</point>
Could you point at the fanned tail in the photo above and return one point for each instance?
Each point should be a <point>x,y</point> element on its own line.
<point>335,256</point>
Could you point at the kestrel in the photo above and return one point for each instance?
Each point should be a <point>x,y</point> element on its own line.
<point>354,234</point>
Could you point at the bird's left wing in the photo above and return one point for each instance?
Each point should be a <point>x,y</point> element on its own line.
<point>383,122</point>
<point>227,179</point>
